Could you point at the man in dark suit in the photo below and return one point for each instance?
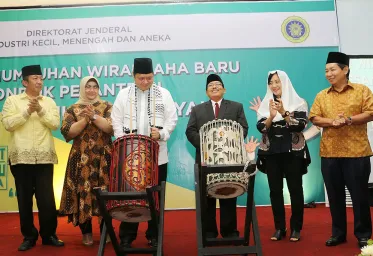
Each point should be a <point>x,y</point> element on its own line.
<point>216,108</point>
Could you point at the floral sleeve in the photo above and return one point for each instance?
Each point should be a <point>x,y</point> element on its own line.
<point>107,115</point>
<point>298,119</point>
<point>261,125</point>
<point>68,120</point>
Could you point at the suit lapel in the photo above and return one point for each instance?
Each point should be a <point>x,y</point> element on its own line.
<point>223,107</point>
<point>209,110</point>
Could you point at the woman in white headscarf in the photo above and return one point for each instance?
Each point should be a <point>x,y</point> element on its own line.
<point>88,124</point>
<point>283,151</point>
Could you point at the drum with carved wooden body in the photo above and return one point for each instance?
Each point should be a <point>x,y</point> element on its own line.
<point>134,167</point>
<point>221,143</point>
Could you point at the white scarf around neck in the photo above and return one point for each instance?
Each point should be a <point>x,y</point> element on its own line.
<point>155,109</point>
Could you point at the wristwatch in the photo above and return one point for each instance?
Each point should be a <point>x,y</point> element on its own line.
<point>287,113</point>
<point>94,117</point>
<point>349,120</point>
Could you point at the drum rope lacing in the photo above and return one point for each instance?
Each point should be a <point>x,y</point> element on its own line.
<point>247,165</point>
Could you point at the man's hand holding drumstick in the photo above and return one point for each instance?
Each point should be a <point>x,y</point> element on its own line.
<point>154,133</point>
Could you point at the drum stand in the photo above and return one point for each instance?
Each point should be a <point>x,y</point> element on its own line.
<point>103,196</point>
<point>241,243</point>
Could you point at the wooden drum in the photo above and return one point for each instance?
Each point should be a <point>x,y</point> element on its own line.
<point>134,167</point>
<point>222,144</point>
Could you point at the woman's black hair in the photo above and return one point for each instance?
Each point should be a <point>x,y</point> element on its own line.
<point>270,77</point>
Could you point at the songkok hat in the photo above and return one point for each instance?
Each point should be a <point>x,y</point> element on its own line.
<point>338,57</point>
<point>142,66</point>
<point>31,70</point>
<point>212,78</point>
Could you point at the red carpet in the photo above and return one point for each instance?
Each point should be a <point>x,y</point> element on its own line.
<point>180,236</point>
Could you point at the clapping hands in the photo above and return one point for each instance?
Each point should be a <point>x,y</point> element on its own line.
<point>87,113</point>
<point>279,106</point>
<point>33,106</point>
<point>272,108</point>
<point>339,121</point>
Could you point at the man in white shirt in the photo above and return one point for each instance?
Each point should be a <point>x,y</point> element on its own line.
<point>145,109</point>
<point>217,108</point>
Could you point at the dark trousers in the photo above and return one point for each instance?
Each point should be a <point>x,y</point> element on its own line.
<point>86,227</point>
<point>128,230</point>
<point>353,173</point>
<point>278,165</point>
<point>228,217</point>
<point>35,179</point>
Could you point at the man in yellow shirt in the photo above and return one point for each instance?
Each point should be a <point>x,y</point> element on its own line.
<point>30,119</point>
<point>343,111</point>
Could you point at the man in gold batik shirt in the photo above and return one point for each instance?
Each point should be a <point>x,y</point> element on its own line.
<point>30,119</point>
<point>343,111</point>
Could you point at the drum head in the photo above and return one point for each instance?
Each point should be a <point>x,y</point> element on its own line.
<point>131,213</point>
<point>225,190</point>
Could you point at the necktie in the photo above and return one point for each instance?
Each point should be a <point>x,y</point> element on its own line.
<point>216,110</point>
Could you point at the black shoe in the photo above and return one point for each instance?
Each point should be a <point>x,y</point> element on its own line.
<point>153,242</point>
<point>233,234</point>
<point>211,235</point>
<point>310,205</point>
<point>334,241</point>
<point>363,242</point>
<point>125,243</point>
<point>53,240</point>
<point>295,236</point>
<point>26,245</point>
<point>278,235</point>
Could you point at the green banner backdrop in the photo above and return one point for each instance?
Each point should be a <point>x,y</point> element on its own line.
<point>240,41</point>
